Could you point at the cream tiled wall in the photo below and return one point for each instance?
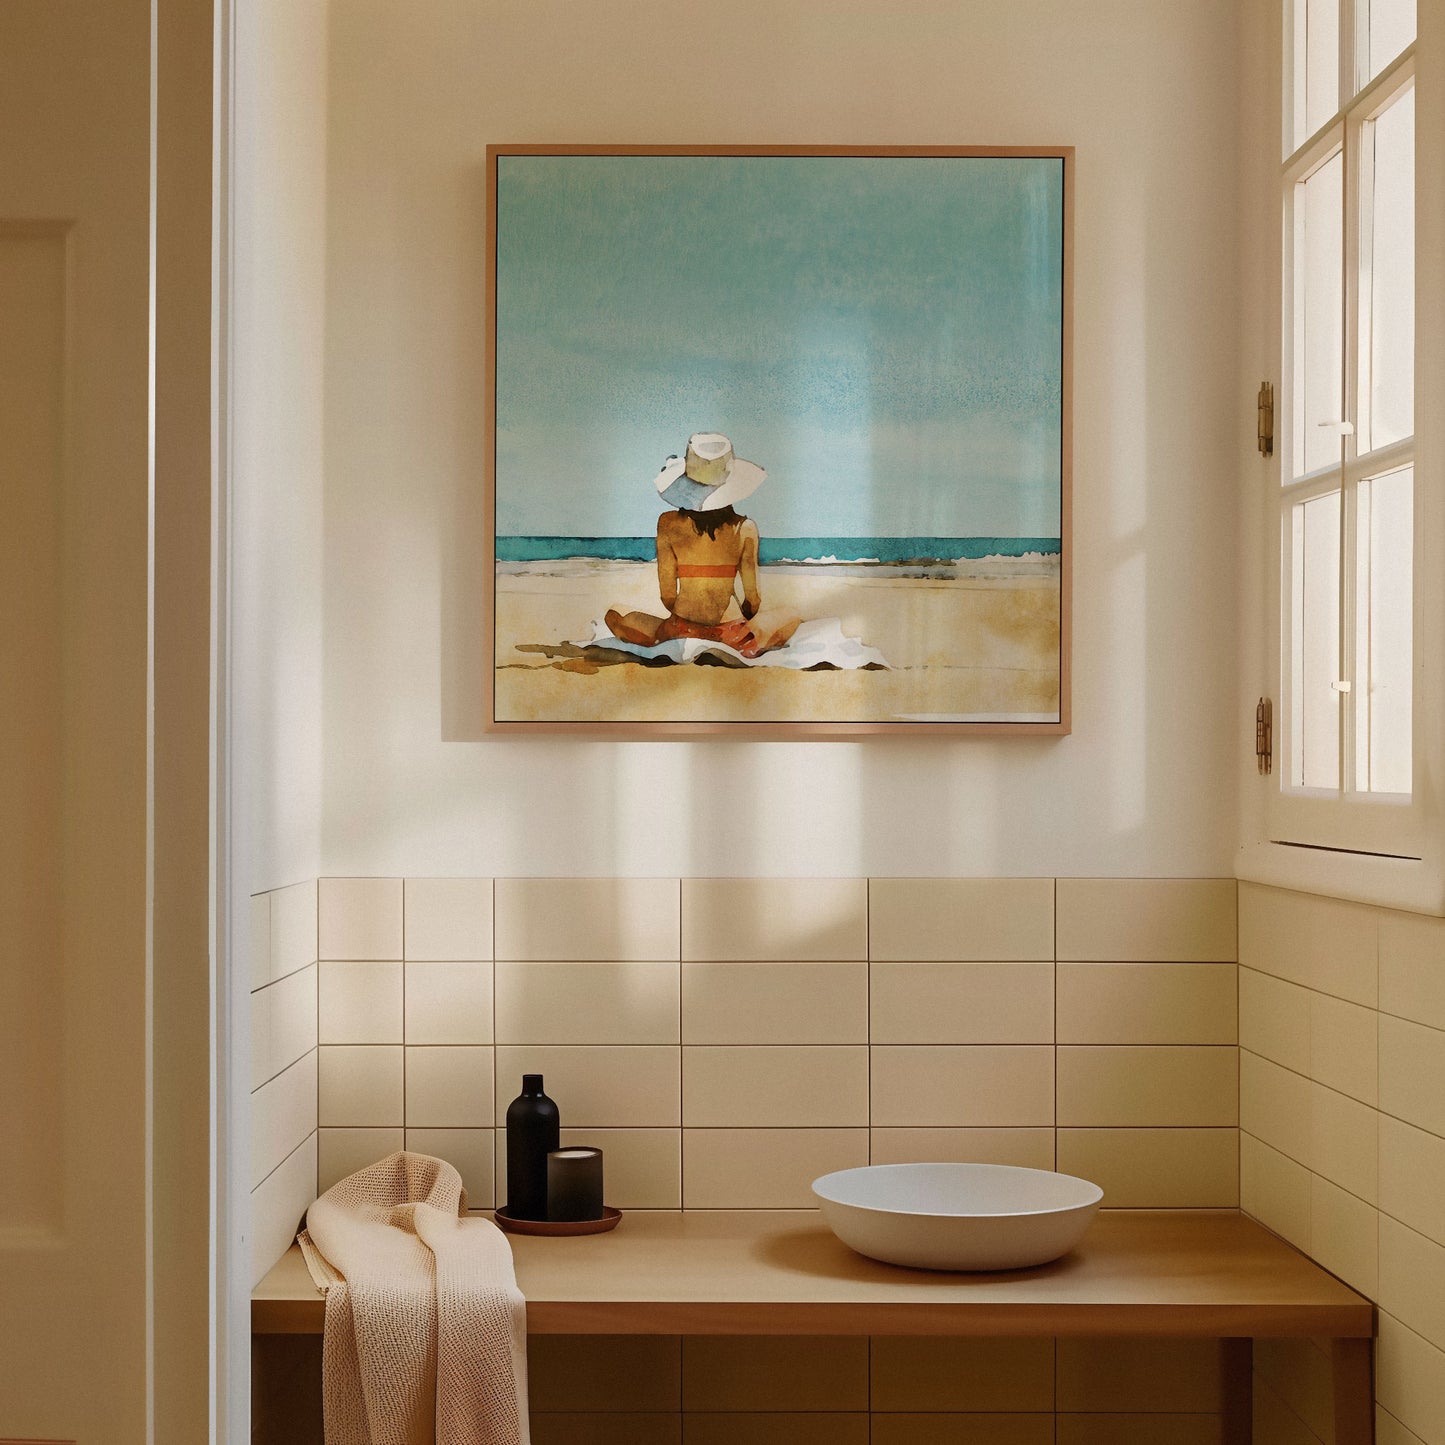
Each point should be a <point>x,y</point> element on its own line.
<point>405,1023</point>
<point>283,1067</point>
<point>725,1041</point>
<point>1342,1108</point>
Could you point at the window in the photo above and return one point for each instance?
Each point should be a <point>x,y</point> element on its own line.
<point>1346,503</point>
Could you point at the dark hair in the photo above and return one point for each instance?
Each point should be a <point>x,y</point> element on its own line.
<point>711,523</point>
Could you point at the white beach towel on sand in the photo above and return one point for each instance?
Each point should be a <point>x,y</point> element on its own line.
<point>426,1331</point>
<point>820,643</point>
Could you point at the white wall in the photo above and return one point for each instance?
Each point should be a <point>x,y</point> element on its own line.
<point>278,227</point>
<point>1145,91</point>
<point>278,255</point>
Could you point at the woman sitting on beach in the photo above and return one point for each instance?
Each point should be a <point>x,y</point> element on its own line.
<point>704,548</point>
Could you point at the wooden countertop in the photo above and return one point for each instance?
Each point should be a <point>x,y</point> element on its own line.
<point>1207,1273</point>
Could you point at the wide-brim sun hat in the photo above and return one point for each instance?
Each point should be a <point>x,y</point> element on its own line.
<point>709,476</point>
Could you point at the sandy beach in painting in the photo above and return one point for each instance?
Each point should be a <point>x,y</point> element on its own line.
<point>978,641</point>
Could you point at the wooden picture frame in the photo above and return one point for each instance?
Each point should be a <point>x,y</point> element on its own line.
<point>604,249</point>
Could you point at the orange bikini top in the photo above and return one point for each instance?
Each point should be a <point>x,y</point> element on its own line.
<point>704,569</point>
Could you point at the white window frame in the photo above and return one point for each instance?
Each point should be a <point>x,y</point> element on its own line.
<point>1381,823</point>
<point>1379,848</point>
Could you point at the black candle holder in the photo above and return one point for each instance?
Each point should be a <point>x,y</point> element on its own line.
<point>574,1184</point>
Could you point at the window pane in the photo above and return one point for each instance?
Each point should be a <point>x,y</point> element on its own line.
<point>1319,297</point>
<point>1315,713</point>
<point>1317,65</point>
<point>1384,627</point>
<point>1392,28</point>
<point>1388,292</point>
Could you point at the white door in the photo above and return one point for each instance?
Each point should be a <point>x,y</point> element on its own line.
<point>96,1047</point>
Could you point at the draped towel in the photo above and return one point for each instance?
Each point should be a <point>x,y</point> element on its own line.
<point>426,1331</point>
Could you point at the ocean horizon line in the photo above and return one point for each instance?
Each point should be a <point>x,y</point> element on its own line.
<point>821,551</point>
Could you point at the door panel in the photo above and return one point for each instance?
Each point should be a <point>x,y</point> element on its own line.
<point>32,422</point>
<point>74,493</point>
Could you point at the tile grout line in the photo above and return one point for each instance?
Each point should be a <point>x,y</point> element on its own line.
<point>496,1079</point>
<point>869,1122</point>
<point>271,1078</point>
<point>1379,1211</point>
<point>311,1132</point>
<point>681,1116</point>
<point>272,982</point>
<point>1334,1184</point>
<point>1239,1055</point>
<point>405,1142</point>
<point>1054,1398</point>
<point>316,949</point>
<point>868,1375</point>
<point>290,1154</point>
<point>1314,988</point>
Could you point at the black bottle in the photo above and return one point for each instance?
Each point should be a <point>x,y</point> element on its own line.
<point>533,1126</point>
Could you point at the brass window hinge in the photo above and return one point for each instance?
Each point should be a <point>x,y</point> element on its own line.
<point>1265,432</point>
<point>1264,737</point>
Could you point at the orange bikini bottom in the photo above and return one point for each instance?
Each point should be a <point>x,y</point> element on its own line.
<point>737,634</point>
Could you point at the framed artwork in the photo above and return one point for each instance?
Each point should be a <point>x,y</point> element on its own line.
<point>778,440</point>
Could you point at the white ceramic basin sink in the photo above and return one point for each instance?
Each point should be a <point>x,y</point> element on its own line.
<point>957,1216</point>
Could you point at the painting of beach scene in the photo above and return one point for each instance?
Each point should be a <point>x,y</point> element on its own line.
<point>779,441</point>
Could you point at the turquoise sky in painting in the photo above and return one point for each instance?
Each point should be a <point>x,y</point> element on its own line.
<point>883,335</point>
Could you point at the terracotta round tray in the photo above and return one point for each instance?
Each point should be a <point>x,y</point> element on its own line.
<point>556,1227</point>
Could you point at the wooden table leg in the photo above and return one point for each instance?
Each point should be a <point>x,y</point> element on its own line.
<point>1354,1380</point>
<point>1236,1359</point>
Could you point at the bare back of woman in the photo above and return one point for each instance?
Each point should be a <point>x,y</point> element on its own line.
<point>701,559</point>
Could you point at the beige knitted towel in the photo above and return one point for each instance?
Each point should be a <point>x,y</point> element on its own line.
<point>426,1331</point>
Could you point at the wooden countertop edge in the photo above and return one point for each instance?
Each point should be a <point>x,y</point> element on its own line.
<point>748,1317</point>
<point>766,1317</point>
<point>1195,1274</point>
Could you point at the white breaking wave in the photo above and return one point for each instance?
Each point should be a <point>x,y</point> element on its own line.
<point>828,561</point>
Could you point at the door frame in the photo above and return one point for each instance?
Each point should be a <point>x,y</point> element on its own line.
<point>199,1369</point>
